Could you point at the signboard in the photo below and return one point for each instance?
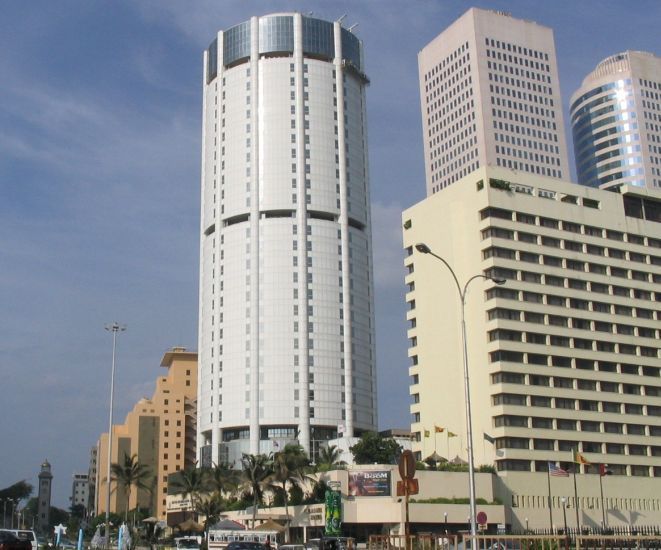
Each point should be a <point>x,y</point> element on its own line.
<point>369,483</point>
<point>333,513</point>
<point>413,487</point>
<point>177,503</point>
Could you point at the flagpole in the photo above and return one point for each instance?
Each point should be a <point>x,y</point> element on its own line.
<point>548,478</point>
<point>578,525</point>
<point>603,509</point>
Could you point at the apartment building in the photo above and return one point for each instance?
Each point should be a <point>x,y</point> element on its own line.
<point>565,355</point>
<point>160,431</point>
<point>490,96</point>
<point>80,490</point>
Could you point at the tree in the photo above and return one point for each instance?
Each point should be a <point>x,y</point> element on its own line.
<point>211,508</point>
<point>289,467</point>
<point>223,479</point>
<point>190,483</point>
<point>130,473</point>
<point>16,492</point>
<point>375,449</point>
<point>255,475</point>
<point>329,458</point>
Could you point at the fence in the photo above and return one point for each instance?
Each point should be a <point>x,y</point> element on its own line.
<point>517,542</point>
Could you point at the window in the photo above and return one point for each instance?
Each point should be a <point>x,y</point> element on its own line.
<point>543,423</point>
<point>589,426</point>
<point>565,424</point>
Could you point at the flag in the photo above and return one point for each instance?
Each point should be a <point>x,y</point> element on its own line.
<point>426,433</point>
<point>580,459</point>
<point>276,444</point>
<point>558,472</point>
<point>438,429</point>
<point>489,438</point>
<point>451,434</point>
<point>603,470</point>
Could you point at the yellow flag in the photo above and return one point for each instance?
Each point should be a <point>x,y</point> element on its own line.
<point>451,434</point>
<point>426,433</point>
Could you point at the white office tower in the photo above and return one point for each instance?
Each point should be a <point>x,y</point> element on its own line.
<point>286,329</point>
<point>490,96</point>
<point>616,122</point>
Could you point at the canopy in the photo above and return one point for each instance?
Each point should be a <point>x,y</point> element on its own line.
<point>269,525</point>
<point>435,457</point>
<point>190,525</point>
<point>227,525</point>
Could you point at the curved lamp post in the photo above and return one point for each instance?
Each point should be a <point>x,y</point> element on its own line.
<point>114,328</point>
<point>424,249</point>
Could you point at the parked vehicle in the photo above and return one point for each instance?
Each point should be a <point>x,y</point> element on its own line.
<point>9,541</point>
<point>187,543</point>
<point>25,534</point>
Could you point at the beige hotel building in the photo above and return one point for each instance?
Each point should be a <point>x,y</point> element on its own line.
<point>563,356</point>
<point>160,431</point>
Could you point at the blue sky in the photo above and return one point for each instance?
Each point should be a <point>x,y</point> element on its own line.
<point>100,110</point>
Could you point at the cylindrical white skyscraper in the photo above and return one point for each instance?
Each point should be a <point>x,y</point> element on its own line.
<point>286,328</point>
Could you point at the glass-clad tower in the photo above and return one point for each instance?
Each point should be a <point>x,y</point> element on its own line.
<point>616,122</point>
<point>286,326</point>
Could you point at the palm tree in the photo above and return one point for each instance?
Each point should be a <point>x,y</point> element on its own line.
<point>211,508</point>
<point>329,458</point>
<point>130,473</point>
<point>289,466</point>
<point>223,479</point>
<point>255,474</point>
<point>190,483</point>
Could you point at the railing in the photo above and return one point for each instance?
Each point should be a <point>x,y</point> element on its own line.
<point>516,542</point>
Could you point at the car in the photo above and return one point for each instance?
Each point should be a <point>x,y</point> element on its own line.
<point>9,541</point>
<point>25,534</point>
<point>291,547</point>
<point>187,543</point>
<point>245,545</point>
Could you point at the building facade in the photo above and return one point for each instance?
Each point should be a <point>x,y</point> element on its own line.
<point>564,356</point>
<point>616,122</point>
<point>93,480</point>
<point>80,490</point>
<point>490,96</point>
<point>161,433</point>
<point>286,321</point>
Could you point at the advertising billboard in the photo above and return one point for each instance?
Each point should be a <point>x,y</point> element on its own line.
<point>369,483</point>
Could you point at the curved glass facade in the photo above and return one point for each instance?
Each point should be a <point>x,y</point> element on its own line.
<point>603,112</point>
<point>276,35</point>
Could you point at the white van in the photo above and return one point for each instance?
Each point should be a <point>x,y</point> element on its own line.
<point>24,534</point>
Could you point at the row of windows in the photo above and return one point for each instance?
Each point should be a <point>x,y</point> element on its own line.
<point>524,400</point>
<point>594,447</point>
<point>575,323</point>
<point>571,227</point>
<point>581,384</point>
<point>504,355</point>
<point>521,50</point>
<point>568,424</point>
<point>515,465</point>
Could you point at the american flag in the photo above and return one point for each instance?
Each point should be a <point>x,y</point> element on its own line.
<point>555,471</point>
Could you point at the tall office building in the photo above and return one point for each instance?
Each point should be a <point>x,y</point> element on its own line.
<point>565,355</point>
<point>286,345</point>
<point>490,96</point>
<point>616,122</point>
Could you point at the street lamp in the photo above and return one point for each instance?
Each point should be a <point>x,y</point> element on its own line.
<point>114,328</point>
<point>564,512</point>
<point>424,249</point>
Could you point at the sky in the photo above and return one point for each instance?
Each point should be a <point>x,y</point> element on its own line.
<point>100,130</point>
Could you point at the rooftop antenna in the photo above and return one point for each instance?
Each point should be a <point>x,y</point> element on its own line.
<point>352,27</point>
<point>342,17</point>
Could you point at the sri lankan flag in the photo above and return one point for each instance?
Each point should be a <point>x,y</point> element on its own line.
<point>438,429</point>
<point>580,459</point>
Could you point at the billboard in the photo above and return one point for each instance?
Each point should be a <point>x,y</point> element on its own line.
<point>369,483</point>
